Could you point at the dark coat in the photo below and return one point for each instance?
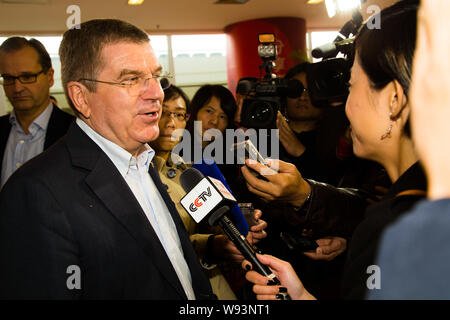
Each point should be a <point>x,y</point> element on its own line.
<point>343,212</point>
<point>363,247</point>
<point>70,206</point>
<point>57,127</point>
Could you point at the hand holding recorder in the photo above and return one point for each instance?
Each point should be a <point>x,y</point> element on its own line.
<point>285,185</point>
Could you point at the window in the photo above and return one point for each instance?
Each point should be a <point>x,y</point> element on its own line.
<point>161,47</point>
<point>193,60</point>
<point>199,59</point>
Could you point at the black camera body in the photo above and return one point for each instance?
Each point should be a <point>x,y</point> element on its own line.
<point>328,79</point>
<point>260,111</point>
<point>265,97</point>
<point>328,82</point>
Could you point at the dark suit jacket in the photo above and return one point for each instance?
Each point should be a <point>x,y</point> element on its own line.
<point>57,127</point>
<point>70,206</point>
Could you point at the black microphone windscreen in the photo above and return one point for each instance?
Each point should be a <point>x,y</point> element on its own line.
<point>190,178</point>
<point>325,50</point>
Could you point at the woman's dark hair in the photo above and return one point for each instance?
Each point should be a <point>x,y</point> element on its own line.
<point>204,95</point>
<point>174,92</point>
<point>386,54</point>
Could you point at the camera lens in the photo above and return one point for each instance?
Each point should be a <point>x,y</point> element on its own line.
<point>262,112</point>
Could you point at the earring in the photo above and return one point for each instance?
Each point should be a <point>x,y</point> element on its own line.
<point>387,134</point>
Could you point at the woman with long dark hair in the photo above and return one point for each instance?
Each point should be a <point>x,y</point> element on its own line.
<point>379,111</point>
<point>213,108</point>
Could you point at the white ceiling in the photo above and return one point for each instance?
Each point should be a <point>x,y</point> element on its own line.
<point>163,16</point>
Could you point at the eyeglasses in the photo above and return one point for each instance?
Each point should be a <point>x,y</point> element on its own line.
<point>8,80</point>
<point>180,116</point>
<point>136,85</point>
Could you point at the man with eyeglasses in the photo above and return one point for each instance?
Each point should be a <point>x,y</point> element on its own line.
<point>35,122</point>
<point>91,218</point>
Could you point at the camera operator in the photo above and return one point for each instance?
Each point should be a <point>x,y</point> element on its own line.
<point>310,134</point>
<point>378,110</point>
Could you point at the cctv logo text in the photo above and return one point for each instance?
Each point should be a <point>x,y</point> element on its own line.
<point>197,203</point>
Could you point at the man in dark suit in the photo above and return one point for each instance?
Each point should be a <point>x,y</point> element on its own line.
<point>35,123</point>
<point>89,218</point>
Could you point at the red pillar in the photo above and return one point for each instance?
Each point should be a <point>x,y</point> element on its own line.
<point>242,46</point>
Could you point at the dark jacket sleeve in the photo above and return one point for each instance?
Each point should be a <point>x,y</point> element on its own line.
<point>331,211</point>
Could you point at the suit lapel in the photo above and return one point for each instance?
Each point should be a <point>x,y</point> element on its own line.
<point>5,128</point>
<point>112,190</point>
<point>198,278</point>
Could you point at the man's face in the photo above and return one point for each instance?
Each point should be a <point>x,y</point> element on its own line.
<point>126,116</point>
<point>301,108</point>
<point>32,97</point>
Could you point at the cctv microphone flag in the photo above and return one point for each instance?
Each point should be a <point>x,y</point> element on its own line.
<point>206,195</point>
<point>207,198</point>
<point>209,168</point>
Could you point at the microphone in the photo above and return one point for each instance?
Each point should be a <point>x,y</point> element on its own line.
<point>209,168</point>
<point>207,198</point>
<point>342,41</point>
<point>331,49</point>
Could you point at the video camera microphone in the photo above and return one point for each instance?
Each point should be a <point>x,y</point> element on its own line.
<point>342,41</point>
<point>331,49</point>
<point>207,198</point>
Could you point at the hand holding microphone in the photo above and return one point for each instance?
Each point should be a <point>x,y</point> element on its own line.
<point>225,248</point>
<point>207,198</point>
<point>290,282</point>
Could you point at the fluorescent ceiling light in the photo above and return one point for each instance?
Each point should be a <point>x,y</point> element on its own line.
<point>335,6</point>
<point>348,5</point>
<point>331,8</point>
<point>135,2</point>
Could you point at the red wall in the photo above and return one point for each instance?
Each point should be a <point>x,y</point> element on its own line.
<point>242,46</point>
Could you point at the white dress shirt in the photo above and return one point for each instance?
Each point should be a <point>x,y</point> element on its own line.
<point>135,173</point>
